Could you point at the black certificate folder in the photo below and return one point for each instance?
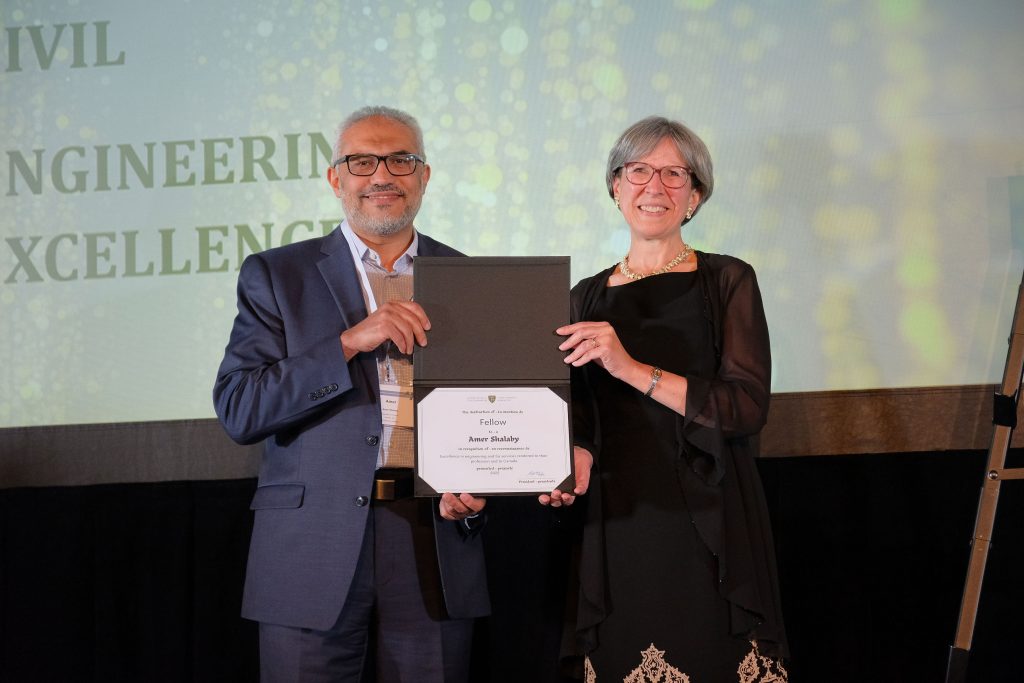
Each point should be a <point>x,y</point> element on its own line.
<point>490,388</point>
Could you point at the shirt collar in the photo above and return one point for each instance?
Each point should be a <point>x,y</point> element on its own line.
<point>368,255</point>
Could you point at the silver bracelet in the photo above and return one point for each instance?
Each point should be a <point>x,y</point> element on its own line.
<point>655,376</point>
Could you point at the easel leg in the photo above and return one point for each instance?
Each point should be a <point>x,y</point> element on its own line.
<point>1005,420</point>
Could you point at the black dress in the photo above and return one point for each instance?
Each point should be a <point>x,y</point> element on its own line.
<point>664,615</point>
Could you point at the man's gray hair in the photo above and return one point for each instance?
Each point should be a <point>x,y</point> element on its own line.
<point>372,111</point>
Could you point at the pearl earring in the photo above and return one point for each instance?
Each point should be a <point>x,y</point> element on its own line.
<point>689,213</point>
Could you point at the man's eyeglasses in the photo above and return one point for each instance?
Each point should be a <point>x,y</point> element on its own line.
<point>366,164</point>
<point>639,173</point>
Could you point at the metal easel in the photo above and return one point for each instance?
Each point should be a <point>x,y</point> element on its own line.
<point>1004,417</point>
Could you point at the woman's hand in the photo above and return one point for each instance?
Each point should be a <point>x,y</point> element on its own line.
<point>597,342</point>
<point>583,461</point>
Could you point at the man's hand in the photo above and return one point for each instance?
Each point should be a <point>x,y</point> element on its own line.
<point>459,507</point>
<point>403,323</point>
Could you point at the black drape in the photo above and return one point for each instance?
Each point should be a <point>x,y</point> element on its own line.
<point>142,582</point>
<point>125,582</point>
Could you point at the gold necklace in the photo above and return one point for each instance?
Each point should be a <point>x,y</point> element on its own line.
<point>680,257</point>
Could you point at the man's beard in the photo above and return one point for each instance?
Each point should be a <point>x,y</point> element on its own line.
<point>377,224</point>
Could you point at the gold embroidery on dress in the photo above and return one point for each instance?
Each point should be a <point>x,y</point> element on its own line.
<point>757,668</point>
<point>654,669</point>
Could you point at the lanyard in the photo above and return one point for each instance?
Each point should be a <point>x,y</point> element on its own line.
<point>357,249</point>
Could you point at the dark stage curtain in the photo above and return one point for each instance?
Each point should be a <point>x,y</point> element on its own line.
<point>142,582</point>
<point>125,582</point>
<point>873,553</point>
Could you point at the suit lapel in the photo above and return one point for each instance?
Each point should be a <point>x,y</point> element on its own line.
<point>427,246</point>
<point>342,280</point>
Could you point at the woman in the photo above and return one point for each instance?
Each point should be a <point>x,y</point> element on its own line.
<point>671,385</point>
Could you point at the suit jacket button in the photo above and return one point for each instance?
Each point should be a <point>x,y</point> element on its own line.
<point>361,501</point>
<point>372,440</point>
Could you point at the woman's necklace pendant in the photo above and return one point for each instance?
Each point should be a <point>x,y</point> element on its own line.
<point>680,257</point>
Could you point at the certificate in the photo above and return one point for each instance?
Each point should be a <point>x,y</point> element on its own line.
<point>494,440</point>
<point>490,388</point>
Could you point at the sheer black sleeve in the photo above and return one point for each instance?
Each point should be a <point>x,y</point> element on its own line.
<point>584,410</point>
<point>734,403</point>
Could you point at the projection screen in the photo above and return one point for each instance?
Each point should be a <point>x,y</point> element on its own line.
<point>869,162</point>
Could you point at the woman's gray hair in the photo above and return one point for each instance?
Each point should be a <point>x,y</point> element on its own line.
<point>643,136</point>
<point>370,112</point>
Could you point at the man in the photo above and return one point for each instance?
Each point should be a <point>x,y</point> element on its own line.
<point>318,367</point>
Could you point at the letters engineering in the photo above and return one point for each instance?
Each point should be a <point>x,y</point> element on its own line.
<point>174,163</point>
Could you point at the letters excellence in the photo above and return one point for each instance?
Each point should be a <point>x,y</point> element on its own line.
<point>85,255</point>
<point>74,256</point>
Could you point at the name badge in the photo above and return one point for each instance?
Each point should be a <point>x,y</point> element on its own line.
<point>396,405</point>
